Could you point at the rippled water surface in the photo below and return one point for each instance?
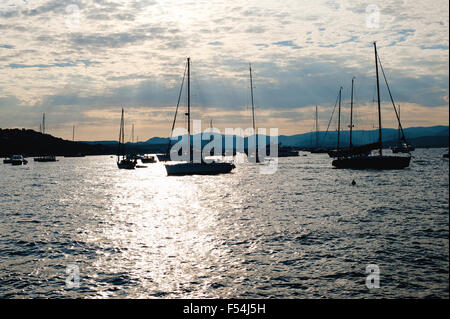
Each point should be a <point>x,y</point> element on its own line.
<point>304,232</point>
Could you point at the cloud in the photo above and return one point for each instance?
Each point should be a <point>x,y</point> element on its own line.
<point>132,54</point>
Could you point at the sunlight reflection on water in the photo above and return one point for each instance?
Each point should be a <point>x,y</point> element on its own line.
<point>302,232</point>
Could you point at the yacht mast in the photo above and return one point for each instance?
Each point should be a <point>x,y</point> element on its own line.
<point>351,116</point>
<point>339,121</point>
<point>380,140</point>
<point>189,107</point>
<point>317,128</point>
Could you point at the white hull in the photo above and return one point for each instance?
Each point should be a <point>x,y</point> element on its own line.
<point>199,169</point>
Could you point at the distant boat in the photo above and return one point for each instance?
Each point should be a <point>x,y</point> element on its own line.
<point>402,146</point>
<point>253,156</point>
<point>123,162</point>
<point>148,159</point>
<point>7,161</point>
<point>363,150</point>
<point>286,151</point>
<point>445,155</point>
<point>317,149</point>
<point>190,167</point>
<point>380,161</point>
<point>73,140</point>
<point>47,157</point>
<point>18,160</point>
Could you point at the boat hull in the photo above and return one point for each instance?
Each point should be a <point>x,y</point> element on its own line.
<point>126,165</point>
<point>199,169</point>
<point>373,162</point>
<point>148,160</point>
<point>45,159</point>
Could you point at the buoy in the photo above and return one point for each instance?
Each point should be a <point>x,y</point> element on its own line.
<point>353,182</point>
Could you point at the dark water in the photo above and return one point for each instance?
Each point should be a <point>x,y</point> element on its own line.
<point>304,232</point>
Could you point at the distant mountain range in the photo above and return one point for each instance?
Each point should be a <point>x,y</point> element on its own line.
<point>435,136</point>
<point>32,143</point>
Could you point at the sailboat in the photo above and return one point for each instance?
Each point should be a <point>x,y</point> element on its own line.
<point>356,158</point>
<point>73,154</point>
<point>45,158</point>
<point>190,167</point>
<point>351,150</point>
<point>403,146</point>
<point>254,157</point>
<point>317,149</point>
<point>123,162</point>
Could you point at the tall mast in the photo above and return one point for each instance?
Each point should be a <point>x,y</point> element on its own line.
<point>253,113</point>
<point>120,136</point>
<point>43,123</point>
<point>189,108</point>
<point>317,128</point>
<point>132,133</point>
<point>351,116</point>
<point>73,133</point>
<point>380,140</point>
<point>399,129</point>
<point>339,121</point>
<point>253,105</point>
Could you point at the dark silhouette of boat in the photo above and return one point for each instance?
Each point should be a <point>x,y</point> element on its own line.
<point>45,157</point>
<point>190,167</point>
<point>253,156</point>
<point>317,149</point>
<point>123,161</point>
<point>148,159</point>
<point>362,160</point>
<point>18,160</point>
<point>402,146</point>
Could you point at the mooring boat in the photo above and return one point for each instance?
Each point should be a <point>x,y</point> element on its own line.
<point>123,161</point>
<point>148,159</point>
<point>18,160</point>
<point>402,146</point>
<point>361,160</point>
<point>190,167</point>
<point>46,158</point>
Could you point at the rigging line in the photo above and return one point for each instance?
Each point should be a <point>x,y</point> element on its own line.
<point>392,100</point>
<point>329,122</point>
<point>176,111</point>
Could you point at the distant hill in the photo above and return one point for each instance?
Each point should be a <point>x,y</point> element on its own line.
<point>32,143</point>
<point>423,136</point>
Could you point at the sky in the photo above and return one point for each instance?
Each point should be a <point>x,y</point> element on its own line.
<point>81,61</point>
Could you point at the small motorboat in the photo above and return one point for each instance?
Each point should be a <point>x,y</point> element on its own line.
<point>18,160</point>
<point>147,159</point>
<point>7,161</point>
<point>126,164</point>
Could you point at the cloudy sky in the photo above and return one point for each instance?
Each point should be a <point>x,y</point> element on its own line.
<point>80,61</point>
